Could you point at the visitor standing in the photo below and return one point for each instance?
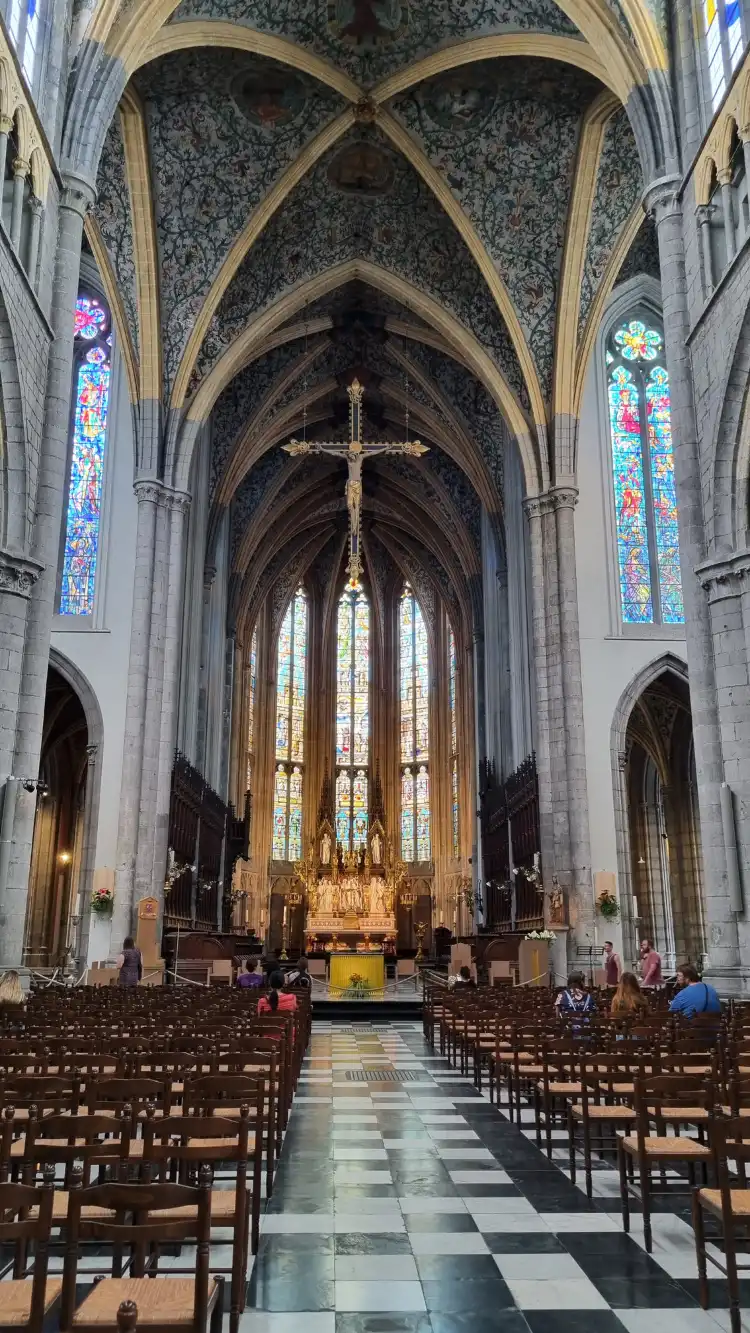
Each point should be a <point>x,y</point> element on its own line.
<point>612,964</point>
<point>650,964</point>
<point>130,964</point>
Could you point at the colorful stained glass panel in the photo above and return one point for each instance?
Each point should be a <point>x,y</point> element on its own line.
<point>454,807</point>
<point>407,815</point>
<point>294,850</point>
<point>661,458</point>
<point>283,685</point>
<point>632,532</point>
<point>280,793</point>
<point>85,485</point>
<point>452,669</point>
<point>352,717</point>
<point>359,810</point>
<point>291,668</point>
<point>638,343</point>
<point>406,658</point>
<point>423,814</point>
<point>89,319</point>
<point>298,677</point>
<point>343,808</point>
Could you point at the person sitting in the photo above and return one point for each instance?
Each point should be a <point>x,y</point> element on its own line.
<point>251,976</point>
<point>627,1001</point>
<point>696,996</point>
<point>276,1002</point>
<point>300,977</point>
<point>575,999</point>
<point>465,979</point>
<point>12,997</point>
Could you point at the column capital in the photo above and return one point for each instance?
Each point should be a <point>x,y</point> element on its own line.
<point>564,497</point>
<point>724,177</point>
<point>725,576</point>
<point>18,573</point>
<point>148,490</point>
<point>704,213</point>
<point>78,193</point>
<point>36,205</point>
<point>178,500</point>
<point>662,197</point>
<point>536,505</point>
<point>6,124</point>
<point>92,752</point>
<point>21,167</point>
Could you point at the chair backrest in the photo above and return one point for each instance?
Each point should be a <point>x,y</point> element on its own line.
<point>137,1217</point>
<point>93,1140</point>
<point>19,1224</point>
<point>405,967</point>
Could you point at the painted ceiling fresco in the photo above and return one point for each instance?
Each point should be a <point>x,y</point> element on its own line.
<point>403,230</point>
<point>643,255</point>
<point>504,136</point>
<point>618,188</point>
<point>112,213</point>
<point>372,38</point>
<point>222,127</point>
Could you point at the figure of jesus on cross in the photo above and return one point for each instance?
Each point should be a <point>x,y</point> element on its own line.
<point>355,453</point>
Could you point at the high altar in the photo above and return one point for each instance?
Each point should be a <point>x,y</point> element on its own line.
<point>350,896</point>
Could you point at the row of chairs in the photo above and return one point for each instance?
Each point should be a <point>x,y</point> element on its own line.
<point>668,1100</point>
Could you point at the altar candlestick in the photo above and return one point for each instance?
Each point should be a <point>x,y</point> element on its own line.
<point>441,916</point>
<point>285,910</point>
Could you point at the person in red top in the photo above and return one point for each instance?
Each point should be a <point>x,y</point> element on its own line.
<point>612,964</point>
<point>277,1003</point>
<point>650,964</point>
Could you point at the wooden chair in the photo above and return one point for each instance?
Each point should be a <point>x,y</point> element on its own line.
<point>137,1217</point>
<point>26,1216</point>
<point>595,1118</point>
<point>190,1142</point>
<point>652,1097</point>
<point>729,1138</point>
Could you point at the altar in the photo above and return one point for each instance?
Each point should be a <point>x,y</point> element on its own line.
<point>364,972</point>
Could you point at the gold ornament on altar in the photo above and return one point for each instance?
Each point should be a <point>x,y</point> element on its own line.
<point>420,930</point>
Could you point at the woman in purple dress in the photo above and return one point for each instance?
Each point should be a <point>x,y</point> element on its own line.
<point>130,964</point>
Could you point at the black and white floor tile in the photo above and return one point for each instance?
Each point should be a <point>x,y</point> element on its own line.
<point>411,1205</point>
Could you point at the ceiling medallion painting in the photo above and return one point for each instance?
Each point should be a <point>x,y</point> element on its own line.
<point>368,24</point>
<point>269,95</point>
<point>459,99</point>
<point>362,169</point>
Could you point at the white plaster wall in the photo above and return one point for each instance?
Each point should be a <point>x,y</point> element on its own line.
<point>101,649</point>
<point>609,659</point>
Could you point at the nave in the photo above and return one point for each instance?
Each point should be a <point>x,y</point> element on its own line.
<point>411,1204</point>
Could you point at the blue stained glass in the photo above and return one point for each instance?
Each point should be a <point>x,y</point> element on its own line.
<point>632,532</point>
<point>415,728</point>
<point>291,667</point>
<point>85,485</point>
<point>664,497</point>
<point>280,802</point>
<point>407,815</point>
<point>343,808</point>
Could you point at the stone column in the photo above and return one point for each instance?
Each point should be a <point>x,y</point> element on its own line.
<point>725,184</point>
<point>663,200</point>
<point>35,232</point>
<point>18,574</point>
<point>703,215</point>
<point>21,169</point>
<point>76,197</point>
<point>6,125</point>
<point>536,508</point>
<point>179,504</point>
<point>148,495</point>
<point>144,859</point>
<point>564,500</point>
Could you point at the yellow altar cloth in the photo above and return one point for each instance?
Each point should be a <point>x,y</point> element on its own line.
<point>344,966</point>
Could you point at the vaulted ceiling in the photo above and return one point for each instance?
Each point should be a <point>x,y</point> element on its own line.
<point>437,199</point>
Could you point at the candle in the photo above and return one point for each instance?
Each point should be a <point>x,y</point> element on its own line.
<point>441,916</point>
<point>635,908</point>
<point>284,914</point>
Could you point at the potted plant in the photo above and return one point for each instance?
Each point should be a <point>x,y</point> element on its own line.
<point>102,901</point>
<point>608,906</point>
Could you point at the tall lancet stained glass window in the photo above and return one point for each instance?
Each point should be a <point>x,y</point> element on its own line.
<point>648,548</point>
<point>291,687</point>
<point>352,719</point>
<point>415,730</point>
<point>91,382</point>
<point>252,680</point>
<point>453,717</point>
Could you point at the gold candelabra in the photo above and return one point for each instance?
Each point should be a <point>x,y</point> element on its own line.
<point>420,930</point>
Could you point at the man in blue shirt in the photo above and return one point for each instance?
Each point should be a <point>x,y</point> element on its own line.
<point>696,997</point>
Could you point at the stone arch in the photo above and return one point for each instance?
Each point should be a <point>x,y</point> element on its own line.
<point>727,517</point>
<point>15,500</point>
<point>662,668</point>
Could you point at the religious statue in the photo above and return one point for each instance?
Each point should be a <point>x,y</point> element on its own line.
<point>376,849</point>
<point>355,453</point>
<point>325,849</point>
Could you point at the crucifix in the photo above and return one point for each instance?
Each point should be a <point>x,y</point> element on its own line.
<point>355,453</point>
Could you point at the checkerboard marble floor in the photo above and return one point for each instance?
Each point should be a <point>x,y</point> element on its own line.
<point>412,1204</point>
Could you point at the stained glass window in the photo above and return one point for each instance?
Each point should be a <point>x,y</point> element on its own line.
<point>648,549</point>
<point>452,674</point>
<point>352,719</point>
<point>25,18</point>
<point>415,730</point>
<point>91,402</point>
<point>252,680</point>
<point>291,665</point>
<point>722,24</point>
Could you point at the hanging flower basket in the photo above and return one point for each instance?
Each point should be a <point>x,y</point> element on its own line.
<point>608,906</point>
<point>102,901</point>
<point>548,935</point>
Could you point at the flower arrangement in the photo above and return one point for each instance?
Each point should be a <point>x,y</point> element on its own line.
<point>101,901</point>
<point>358,986</point>
<point>608,906</point>
<point>547,935</point>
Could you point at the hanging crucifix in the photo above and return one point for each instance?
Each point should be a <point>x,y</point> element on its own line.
<point>355,453</point>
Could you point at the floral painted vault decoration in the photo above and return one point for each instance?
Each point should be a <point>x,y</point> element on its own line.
<point>368,23</point>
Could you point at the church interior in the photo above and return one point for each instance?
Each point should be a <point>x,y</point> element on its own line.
<point>375,604</point>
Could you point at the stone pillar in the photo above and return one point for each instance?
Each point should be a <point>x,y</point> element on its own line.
<point>703,215</point>
<point>179,504</point>
<point>725,184</point>
<point>536,508</point>
<point>18,574</point>
<point>76,197</point>
<point>6,125</point>
<point>662,198</point>
<point>148,495</point>
<point>144,860</point>
<point>35,232</point>
<point>21,169</point>
<point>564,500</point>
<point>480,742</point>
